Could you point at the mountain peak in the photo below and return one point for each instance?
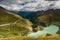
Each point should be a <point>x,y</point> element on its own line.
<point>1,8</point>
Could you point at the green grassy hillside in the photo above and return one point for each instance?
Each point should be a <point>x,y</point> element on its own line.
<point>12,24</point>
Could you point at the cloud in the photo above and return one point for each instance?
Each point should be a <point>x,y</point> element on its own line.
<point>30,5</point>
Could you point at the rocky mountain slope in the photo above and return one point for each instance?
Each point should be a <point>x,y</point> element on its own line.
<point>50,17</point>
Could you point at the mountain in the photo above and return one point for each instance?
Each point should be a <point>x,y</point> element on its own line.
<point>31,15</point>
<point>12,24</point>
<point>50,17</point>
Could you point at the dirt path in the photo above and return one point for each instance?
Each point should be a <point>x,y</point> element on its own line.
<point>7,24</point>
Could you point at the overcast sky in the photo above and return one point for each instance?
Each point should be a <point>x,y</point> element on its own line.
<point>30,5</point>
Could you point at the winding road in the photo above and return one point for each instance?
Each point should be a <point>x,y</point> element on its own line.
<point>7,24</point>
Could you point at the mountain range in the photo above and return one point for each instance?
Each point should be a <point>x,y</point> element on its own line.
<point>42,18</point>
<point>39,18</point>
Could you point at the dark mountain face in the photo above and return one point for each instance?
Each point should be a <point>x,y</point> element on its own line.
<point>31,15</point>
<point>1,8</point>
